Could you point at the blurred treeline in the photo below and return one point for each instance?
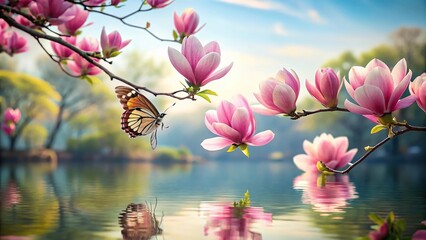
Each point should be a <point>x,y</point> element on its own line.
<point>75,115</point>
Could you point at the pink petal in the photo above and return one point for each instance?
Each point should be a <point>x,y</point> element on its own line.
<point>205,66</point>
<point>357,76</point>
<point>104,39</point>
<point>264,111</point>
<point>225,111</point>
<point>346,158</point>
<point>212,47</point>
<point>399,71</point>
<point>341,144</point>
<point>192,50</point>
<point>382,79</point>
<point>371,97</point>
<point>218,74</point>
<point>314,92</point>
<point>305,163</point>
<point>216,143</point>
<point>310,149</point>
<point>180,63</point>
<point>376,63</point>
<point>227,132</point>
<point>357,109</point>
<point>240,121</point>
<point>284,98</point>
<point>405,102</point>
<point>398,91</point>
<point>349,88</point>
<point>266,88</point>
<point>325,151</point>
<point>290,79</point>
<point>178,23</point>
<point>210,118</point>
<point>261,138</point>
<point>329,85</point>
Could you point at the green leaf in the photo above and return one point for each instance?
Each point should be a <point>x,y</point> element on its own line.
<point>232,148</point>
<point>244,149</point>
<point>399,226</point>
<point>115,54</point>
<point>376,219</point>
<point>208,92</point>
<point>175,35</point>
<point>377,128</point>
<point>368,148</point>
<point>391,218</point>
<point>206,97</point>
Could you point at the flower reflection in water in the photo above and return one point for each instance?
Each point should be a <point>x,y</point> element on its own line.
<point>12,195</point>
<point>138,222</point>
<point>326,194</point>
<point>232,223</point>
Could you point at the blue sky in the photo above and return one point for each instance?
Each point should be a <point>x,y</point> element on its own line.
<point>262,36</point>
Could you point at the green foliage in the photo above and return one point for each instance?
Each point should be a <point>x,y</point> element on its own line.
<point>395,227</point>
<point>34,135</point>
<point>241,205</point>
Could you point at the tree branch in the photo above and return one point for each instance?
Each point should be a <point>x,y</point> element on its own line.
<point>408,128</point>
<point>305,113</point>
<point>87,56</point>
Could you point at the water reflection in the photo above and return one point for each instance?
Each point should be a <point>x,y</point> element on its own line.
<point>12,196</point>
<point>226,222</point>
<point>139,222</point>
<point>326,194</point>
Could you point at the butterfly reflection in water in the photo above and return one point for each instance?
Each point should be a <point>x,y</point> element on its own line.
<point>140,117</point>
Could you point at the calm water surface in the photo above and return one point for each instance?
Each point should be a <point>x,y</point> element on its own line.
<point>91,200</point>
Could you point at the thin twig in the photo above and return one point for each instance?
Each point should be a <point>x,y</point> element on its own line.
<point>408,128</point>
<point>305,113</point>
<point>87,56</point>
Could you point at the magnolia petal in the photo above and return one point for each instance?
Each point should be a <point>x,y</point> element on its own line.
<point>182,65</point>
<point>376,63</point>
<point>405,102</point>
<point>305,163</point>
<point>205,66</point>
<point>310,148</point>
<point>325,151</point>
<point>398,91</point>
<point>225,111</point>
<point>399,71</point>
<point>227,132</point>
<point>104,40</point>
<point>284,98</point>
<point>341,145</point>
<point>357,109</point>
<point>348,87</point>
<point>193,50</point>
<point>371,97</point>
<point>382,79</point>
<point>240,121</point>
<point>212,47</point>
<point>260,109</point>
<point>314,92</point>
<point>329,86</point>
<point>179,25</point>
<point>346,158</point>
<point>292,80</point>
<point>357,76</point>
<point>261,138</point>
<point>216,143</point>
<point>218,74</point>
<point>266,88</point>
<point>210,118</point>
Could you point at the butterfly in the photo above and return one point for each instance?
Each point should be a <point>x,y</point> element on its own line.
<point>140,117</point>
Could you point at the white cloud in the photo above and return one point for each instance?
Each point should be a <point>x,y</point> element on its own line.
<point>280,30</point>
<point>294,11</point>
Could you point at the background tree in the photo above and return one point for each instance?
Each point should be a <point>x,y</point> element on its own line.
<point>33,96</point>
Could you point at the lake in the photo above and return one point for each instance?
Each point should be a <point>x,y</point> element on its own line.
<point>74,200</point>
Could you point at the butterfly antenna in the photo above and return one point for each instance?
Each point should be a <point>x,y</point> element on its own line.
<point>169,107</point>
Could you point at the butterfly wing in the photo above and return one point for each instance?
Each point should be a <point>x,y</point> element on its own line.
<point>130,99</point>
<point>138,122</point>
<point>154,139</point>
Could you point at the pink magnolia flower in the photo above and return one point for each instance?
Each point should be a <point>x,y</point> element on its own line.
<point>16,44</point>
<point>115,2</point>
<point>380,234</point>
<point>60,50</point>
<point>72,26</point>
<point>327,87</point>
<point>235,124</point>
<point>3,25</point>
<point>419,235</point>
<point>12,115</point>
<point>23,21</point>
<point>54,11</point>
<point>186,24</point>
<point>418,89</point>
<point>278,95</point>
<point>94,3</point>
<point>377,90</point>
<point>332,197</point>
<point>81,66</point>
<point>331,151</point>
<point>159,3</point>
<point>197,63</point>
<point>8,128</point>
<point>111,44</point>
<point>224,223</point>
